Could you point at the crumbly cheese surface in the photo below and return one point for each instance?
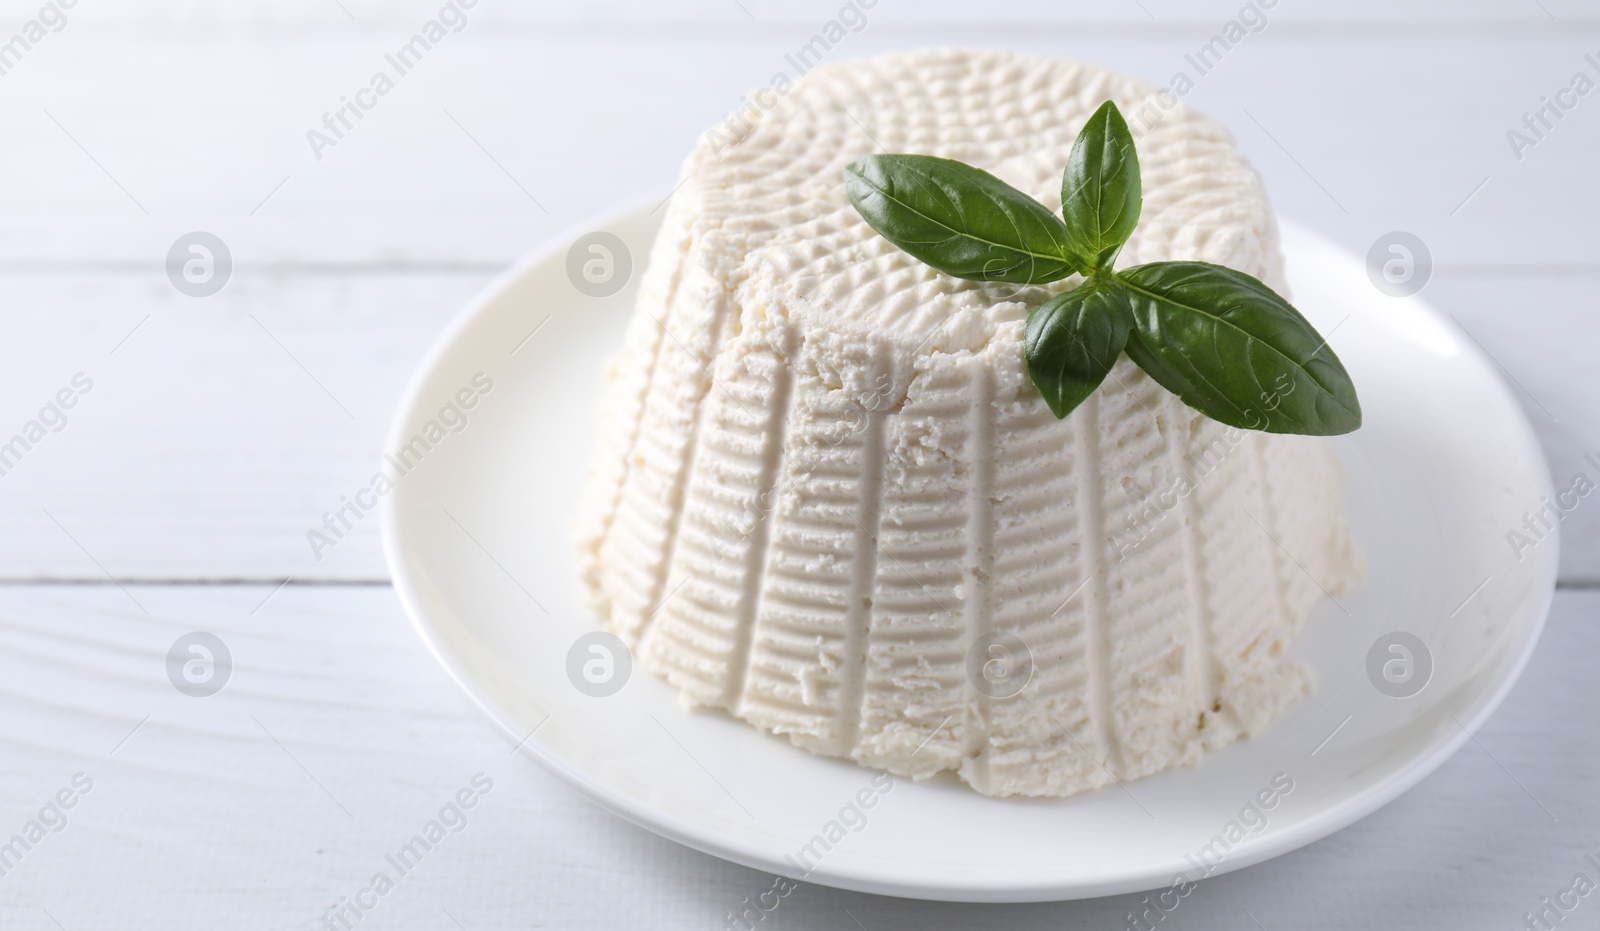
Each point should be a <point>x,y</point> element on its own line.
<point>823,475</point>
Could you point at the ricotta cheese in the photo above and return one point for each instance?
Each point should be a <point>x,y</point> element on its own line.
<point>823,476</point>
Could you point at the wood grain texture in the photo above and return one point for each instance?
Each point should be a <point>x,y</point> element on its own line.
<point>202,819</point>
<point>506,134</point>
<point>1372,15</point>
<point>218,432</point>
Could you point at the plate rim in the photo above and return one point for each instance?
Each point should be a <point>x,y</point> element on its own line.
<point>862,877</point>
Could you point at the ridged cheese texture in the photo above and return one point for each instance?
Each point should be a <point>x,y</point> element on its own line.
<point>822,473</point>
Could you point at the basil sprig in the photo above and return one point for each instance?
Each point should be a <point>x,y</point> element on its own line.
<point>1222,341</point>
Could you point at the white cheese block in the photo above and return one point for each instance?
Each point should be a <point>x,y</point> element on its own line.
<point>823,475</point>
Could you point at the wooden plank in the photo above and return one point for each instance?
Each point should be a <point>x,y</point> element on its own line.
<point>205,451</point>
<point>612,14</point>
<point>228,811</point>
<point>216,434</point>
<point>504,136</point>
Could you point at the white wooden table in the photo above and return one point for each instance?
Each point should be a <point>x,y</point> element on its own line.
<point>177,494</point>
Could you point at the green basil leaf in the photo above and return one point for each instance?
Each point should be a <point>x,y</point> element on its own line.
<point>962,221</point>
<point>1100,189</point>
<point>1073,339</point>
<point>1235,351</point>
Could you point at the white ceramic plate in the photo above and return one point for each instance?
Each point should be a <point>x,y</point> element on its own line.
<point>477,537</point>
